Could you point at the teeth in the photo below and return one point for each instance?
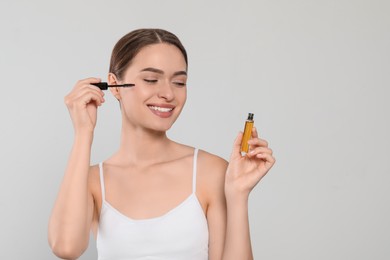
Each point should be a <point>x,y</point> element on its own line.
<point>161,109</point>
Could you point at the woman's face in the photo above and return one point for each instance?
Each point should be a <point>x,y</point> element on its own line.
<point>159,73</point>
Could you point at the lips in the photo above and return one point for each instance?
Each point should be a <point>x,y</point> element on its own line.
<point>163,110</point>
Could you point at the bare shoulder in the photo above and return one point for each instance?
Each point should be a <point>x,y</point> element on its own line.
<point>212,163</point>
<point>211,172</point>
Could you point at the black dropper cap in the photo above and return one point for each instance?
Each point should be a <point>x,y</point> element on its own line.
<point>250,116</point>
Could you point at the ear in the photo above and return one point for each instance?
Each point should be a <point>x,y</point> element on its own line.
<point>112,80</point>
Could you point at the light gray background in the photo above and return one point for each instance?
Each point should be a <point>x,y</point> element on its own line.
<point>315,73</point>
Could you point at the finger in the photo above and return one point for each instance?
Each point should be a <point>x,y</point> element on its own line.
<point>85,88</point>
<point>255,134</point>
<point>88,91</point>
<point>236,152</point>
<point>88,81</point>
<point>254,142</point>
<point>259,150</point>
<point>92,87</point>
<point>89,97</point>
<point>268,158</point>
<point>95,89</point>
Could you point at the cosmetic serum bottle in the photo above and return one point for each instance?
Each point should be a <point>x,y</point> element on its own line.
<point>247,133</point>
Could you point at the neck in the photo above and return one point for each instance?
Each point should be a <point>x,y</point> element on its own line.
<point>142,147</point>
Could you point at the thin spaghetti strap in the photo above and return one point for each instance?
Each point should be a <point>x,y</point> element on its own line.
<point>195,162</point>
<point>102,182</point>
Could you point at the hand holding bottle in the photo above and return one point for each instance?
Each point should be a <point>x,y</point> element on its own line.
<point>82,103</point>
<point>245,171</point>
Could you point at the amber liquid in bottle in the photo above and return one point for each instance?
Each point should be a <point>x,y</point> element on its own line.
<point>247,133</point>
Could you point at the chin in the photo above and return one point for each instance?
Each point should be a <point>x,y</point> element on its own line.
<point>163,124</point>
<point>161,127</point>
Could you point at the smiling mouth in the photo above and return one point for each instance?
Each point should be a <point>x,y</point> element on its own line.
<point>161,109</point>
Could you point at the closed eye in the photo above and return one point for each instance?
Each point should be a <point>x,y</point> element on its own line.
<point>150,81</point>
<point>180,84</point>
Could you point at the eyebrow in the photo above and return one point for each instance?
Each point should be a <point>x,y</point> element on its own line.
<point>177,73</point>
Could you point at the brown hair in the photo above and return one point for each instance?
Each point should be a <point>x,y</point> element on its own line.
<point>129,45</point>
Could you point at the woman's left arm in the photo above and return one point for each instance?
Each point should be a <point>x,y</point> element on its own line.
<point>242,175</point>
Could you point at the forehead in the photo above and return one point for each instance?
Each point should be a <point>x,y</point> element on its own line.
<point>161,55</point>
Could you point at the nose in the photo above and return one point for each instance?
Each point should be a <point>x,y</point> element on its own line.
<point>165,91</point>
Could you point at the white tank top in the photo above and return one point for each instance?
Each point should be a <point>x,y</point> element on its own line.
<point>180,234</point>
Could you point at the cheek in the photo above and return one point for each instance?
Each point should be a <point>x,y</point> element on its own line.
<point>182,94</point>
<point>137,93</point>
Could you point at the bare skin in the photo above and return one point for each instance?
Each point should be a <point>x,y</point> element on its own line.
<point>150,169</point>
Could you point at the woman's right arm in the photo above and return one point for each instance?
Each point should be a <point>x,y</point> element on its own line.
<point>71,218</point>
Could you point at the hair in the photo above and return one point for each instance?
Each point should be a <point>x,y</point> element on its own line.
<point>131,44</point>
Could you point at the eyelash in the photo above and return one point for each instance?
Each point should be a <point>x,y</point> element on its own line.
<point>153,81</point>
<point>180,84</point>
<point>150,81</point>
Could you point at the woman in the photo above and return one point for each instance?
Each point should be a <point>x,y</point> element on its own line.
<point>154,198</point>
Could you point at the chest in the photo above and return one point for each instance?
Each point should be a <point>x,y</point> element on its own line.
<point>147,194</point>
<point>181,233</point>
